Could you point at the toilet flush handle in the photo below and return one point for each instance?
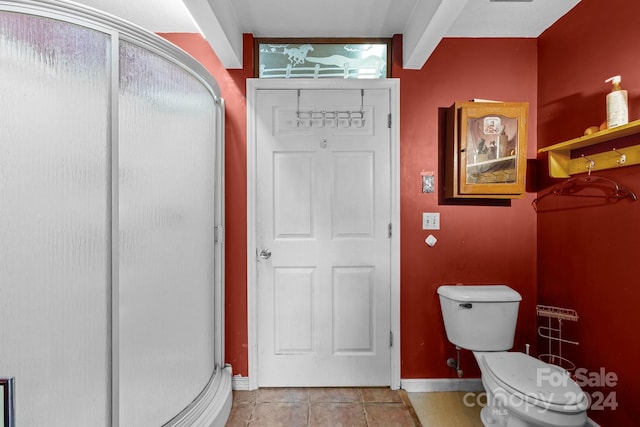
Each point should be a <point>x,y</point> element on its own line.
<point>466,305</point>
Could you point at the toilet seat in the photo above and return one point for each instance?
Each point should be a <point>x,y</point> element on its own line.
<point>529,379</point>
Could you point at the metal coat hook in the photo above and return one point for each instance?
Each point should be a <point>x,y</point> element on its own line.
<point>343,119</point>
<point>590,164</point>
<point>623,157</point>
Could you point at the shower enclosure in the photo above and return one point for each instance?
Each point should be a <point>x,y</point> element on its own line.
<point>111,217</point>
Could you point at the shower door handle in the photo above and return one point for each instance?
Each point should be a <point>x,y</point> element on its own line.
<point>264,253</point>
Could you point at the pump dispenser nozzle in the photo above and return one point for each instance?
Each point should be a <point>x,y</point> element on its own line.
<point>615,80</point>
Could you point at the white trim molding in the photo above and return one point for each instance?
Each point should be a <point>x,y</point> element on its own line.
<point>427,385</point>
<point>240,383</point>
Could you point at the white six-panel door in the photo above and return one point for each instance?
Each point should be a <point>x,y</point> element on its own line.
<point>323,192</point>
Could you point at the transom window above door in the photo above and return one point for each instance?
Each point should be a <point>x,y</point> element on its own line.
<point>322,58</point>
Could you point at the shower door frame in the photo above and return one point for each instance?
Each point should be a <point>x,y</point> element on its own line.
<point>204,406</point>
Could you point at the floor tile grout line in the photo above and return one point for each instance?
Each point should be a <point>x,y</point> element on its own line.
<point>254,399</point>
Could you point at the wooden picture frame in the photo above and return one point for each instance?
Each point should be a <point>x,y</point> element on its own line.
<point>486,150</point>
<point>362,58</point>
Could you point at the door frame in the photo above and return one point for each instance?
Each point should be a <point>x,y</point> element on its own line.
<point>253,86</point>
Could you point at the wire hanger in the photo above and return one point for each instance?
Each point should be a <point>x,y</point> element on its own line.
<point>573,186</point>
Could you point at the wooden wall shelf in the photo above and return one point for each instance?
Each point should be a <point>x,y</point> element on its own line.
<point>561,165</point>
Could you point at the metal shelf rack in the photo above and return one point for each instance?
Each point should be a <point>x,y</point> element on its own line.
<point>553,333</point>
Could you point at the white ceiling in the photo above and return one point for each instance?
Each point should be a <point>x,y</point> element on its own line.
<point>423,23</point>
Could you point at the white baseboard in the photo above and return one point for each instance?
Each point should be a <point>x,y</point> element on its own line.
<point>441,384</point>
<point>239,382</point>
<point>409,385</point>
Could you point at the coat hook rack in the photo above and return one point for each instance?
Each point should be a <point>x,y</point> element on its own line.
<point>564,161</point>
<point>337,118</point>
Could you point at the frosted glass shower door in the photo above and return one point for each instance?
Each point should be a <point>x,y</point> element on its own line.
<point>55,220</point>
<point>166,251</point>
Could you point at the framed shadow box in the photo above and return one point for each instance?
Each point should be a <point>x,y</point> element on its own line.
<point>486,150</point>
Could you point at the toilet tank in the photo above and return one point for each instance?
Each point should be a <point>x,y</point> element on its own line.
<point>480,317</point>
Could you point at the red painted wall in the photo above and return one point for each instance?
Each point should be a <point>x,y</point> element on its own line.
<point>476,244</point>
<point>588,256</point>
<point>582,258</point>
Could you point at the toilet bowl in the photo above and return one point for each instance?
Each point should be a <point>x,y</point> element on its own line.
<point>524,391</point>
<point>521,391</point>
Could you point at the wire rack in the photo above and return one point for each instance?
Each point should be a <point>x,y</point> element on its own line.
<point>553,333</point>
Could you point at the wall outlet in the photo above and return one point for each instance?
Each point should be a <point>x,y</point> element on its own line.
<point>431,221</point>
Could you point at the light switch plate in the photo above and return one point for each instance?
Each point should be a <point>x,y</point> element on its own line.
<point>431,221</point>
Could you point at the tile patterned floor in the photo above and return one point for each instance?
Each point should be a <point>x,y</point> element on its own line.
<point>319,407</point>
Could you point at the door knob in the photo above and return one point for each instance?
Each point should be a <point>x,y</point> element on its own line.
<point>264,253</point>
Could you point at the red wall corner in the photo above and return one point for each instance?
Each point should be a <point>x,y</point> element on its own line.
<point>587,255</point>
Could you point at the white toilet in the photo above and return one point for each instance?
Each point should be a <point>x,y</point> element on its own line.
<point>521,390</point>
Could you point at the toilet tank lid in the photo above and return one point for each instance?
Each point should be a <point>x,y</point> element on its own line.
<point>479,293</point>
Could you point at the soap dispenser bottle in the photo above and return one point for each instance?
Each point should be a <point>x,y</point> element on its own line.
<point>617,104</point>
